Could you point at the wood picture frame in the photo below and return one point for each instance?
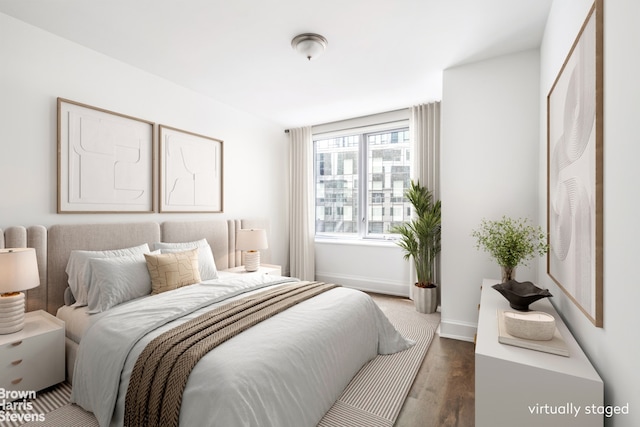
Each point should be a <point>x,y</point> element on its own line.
<point>191,171</point>
<point>575,171</point>
<point>105,161</point>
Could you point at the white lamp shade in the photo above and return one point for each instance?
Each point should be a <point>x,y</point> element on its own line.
<point>18,270</point>
<point>251,239</point>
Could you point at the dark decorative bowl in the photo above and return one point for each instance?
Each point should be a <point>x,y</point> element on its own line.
<point>521,294</point>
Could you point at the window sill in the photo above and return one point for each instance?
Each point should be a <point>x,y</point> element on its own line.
<point>356,242</point>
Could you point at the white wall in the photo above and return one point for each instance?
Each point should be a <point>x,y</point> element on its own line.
<point>37,67</point>
<point>376,267</point>
<point>614,349</point>
<point>489,168</point>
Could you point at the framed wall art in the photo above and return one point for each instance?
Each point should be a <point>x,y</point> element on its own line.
<point>105,161</point>
<point>574,168</point>
<point>191,175</point>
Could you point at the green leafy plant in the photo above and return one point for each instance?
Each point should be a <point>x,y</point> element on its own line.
<point>511,242</point>
<point>420,237</point>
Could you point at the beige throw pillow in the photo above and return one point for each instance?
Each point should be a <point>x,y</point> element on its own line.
<point>173,270</point>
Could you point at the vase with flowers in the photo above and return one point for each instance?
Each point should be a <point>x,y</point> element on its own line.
<point>511,242</point>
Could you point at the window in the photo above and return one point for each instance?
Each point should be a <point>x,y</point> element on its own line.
<point>360,179</point>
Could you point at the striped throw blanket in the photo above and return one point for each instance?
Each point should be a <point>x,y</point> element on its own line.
<point>160,374</point>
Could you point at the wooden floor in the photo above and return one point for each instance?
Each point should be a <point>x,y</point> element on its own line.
<point>442,394</point>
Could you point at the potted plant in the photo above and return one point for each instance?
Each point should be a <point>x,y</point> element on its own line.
<point>420,240</point>
<point>510,242</point>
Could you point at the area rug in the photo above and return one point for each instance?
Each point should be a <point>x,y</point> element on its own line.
<point>374,397</point>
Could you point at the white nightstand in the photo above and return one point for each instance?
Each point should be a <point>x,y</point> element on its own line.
<point>276,270</point>
<point>33,359</point>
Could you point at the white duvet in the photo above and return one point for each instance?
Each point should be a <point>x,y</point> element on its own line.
<point>285,371</point>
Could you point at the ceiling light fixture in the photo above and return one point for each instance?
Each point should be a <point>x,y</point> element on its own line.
<point>309,44</point>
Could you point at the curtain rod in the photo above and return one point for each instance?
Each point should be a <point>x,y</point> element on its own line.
<point>356,118</point>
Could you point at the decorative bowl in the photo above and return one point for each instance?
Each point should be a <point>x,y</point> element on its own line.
<point>521,294</point>
<point>532,325</point>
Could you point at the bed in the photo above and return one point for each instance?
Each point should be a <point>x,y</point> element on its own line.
<point>286,370</point>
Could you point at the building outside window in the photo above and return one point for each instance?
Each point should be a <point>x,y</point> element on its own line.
<point>360,179</point>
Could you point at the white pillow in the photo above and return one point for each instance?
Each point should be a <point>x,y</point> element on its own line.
<point>117,280</point>
<point>206,263</point>
<point>79,269</point>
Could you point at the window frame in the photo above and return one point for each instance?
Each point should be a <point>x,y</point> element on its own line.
<point>364,216</point>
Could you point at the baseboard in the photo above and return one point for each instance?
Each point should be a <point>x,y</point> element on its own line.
<point>366,284</point>
<point>462,331</point>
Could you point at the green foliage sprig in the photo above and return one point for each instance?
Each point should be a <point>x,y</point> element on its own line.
<point>511,242</point>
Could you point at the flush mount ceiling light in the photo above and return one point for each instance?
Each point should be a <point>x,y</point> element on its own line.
<point>309,44</point>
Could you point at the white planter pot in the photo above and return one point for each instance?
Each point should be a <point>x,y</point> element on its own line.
<point>425,299</point>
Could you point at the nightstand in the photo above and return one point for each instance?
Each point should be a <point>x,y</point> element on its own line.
<point>276,270</point>
<point>33,359</point>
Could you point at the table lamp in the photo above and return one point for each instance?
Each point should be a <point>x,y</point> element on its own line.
<point>251,241</point>
<point>18,272</point>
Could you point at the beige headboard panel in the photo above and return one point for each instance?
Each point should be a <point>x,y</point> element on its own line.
<point>93,237</point>
<point>221,235</point>
<point>32,237</point>
<point>217,232</point>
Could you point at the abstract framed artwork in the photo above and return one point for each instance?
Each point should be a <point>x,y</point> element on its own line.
<point>105,161</point>
<point>191,172</point>
<point>574,171</point>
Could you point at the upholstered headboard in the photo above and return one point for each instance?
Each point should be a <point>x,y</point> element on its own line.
<point>221,235</point>
<point>93,237</point>
<point>60,240</point>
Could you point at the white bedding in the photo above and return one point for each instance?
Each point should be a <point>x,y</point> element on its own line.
<point>285,371</point>
<point>77,319</point>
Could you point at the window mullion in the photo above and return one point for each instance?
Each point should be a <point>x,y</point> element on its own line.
<point>363,224</point>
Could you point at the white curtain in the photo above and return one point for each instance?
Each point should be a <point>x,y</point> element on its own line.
<point>425,128</point>
<point>425,125</point>
<point>302,228</point>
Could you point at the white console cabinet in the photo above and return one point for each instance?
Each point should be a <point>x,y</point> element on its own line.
<point>520,387</point>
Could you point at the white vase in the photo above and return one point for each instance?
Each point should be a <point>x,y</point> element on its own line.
<point>425,299</point>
